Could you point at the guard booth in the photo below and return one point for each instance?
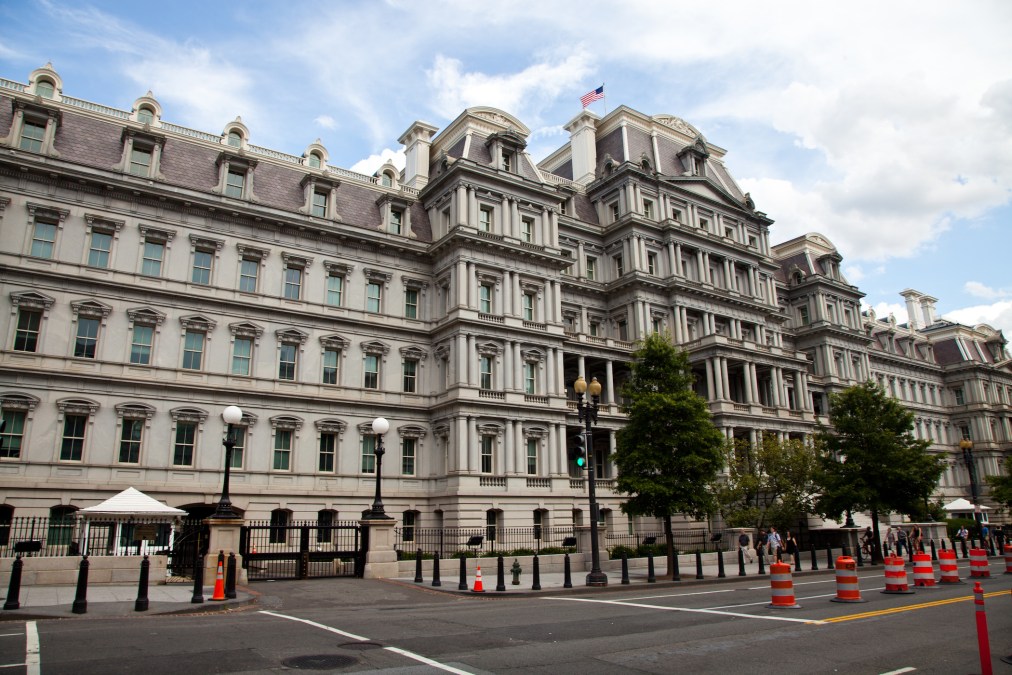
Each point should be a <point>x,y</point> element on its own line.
<point>128,524</point>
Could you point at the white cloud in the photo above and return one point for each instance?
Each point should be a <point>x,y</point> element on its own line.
<point>997,315</point>
<point>884,309</point>
<point>979,290</point>
<point>372,163</point>
<point>326,121</point>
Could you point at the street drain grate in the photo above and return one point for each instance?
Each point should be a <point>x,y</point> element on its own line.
<point>319,661</point>
<point>361,645</point>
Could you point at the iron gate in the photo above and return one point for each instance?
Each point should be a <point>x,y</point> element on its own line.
<point>189,547</point>
<point>302,550</point>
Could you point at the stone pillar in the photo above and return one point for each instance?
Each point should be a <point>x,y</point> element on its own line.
<point>381,558</point>
<point>224,536</point>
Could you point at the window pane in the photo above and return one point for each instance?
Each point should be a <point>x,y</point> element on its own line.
<point>242,354</point>
<point>248,270</point>
<point>293,283</point>
<point>130,441</point>
<point>234,182</point>
<point>193,350</point>
<point>26,339</point>
<point>319,204</point>
<point>411,303</point>
<point>410,376</point>
<point>330,357</point>
<point>145,116</point>
<point>286,365</point>
<point>371,372</point>
<point>408,457</point>
<point>72,447</point>
<point>140,349</point>
<point>239,450</point>
<point>13,434</point>
<point>532,457</point>
<point>368,454</point>
<point>101,244</point>
<point>32,134</point>
<point>282,449</point>
<point>335,290</point>
<point>372,295</point>
<point>186,435</point>
<point>87,337</point>
<point>328,448</point>
<point>154,252</point>
<point>486,454</point>
<point>202,267</point>
<point>140,161</point>
<point>43,239</point>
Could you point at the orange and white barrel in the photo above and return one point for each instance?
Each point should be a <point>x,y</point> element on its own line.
<point>949,573</point>
<point>978,563</point>
<point>896,576</point>
<point>847,589</point>
<point>1008,558</point>
<point>924,571</point>
<point>782,587</point>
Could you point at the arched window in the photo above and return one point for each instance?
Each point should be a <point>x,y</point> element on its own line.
<point>540,522</point>
<point>145,116</point>
<point>280,520</point>
<point>45,88</point>
<point>314,160</point>
<point>325,520</point>
<point>235,139</point>
<point>409,523</point>
<point>386,180</point>
<point>492,524</point>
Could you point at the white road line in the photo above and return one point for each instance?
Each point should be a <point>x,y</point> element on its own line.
<point>396,650</point>
<point>677,595</point>
<point>33,656</point>
<point>692,611</point>
<point>10,634</point>
<point>901,670</point>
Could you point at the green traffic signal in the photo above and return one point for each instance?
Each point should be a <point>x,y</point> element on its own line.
<point>577,451</point>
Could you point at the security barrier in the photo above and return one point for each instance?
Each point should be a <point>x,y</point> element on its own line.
<point>1008,558</point>
<point>949,573</point>
<point>896,576</point>
<point>978,564</point>
<point>847,589</point>
<point>924,571</point>
<point>782,587</point>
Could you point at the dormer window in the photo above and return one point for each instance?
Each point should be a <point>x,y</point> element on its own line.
<point>141,154</point>
<point>235,177</point>
<point>33,129</point>
<point>507,161</point>
<point>396,218</point>
<point>45,88</point>
<point>234,139</point>
<point>321,196</point>
<point>313,161</point>
<point>386,180</point>
<point>145,116</point>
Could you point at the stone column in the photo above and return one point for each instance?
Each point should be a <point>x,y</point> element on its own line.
<point>224,536</point>
<point>381,558</point>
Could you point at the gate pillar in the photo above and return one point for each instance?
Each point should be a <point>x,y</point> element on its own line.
<point>224,536</point>
<point>381,558</point>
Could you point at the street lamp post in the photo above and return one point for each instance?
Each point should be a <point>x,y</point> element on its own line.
<point>379,427</point>
<point>966,445</point>
<point>587,414</point>
<point>232,415</point>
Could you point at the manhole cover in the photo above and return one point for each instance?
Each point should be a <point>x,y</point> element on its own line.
<point>319,661</point>
<point>361,645</point>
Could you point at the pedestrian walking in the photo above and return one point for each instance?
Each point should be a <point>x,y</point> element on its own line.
<point>743,544</point>
<point>775,544</point>
<point>890,540</point>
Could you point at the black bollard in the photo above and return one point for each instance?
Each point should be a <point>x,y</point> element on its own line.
<point>720,565</point>
<point>762,559</point>
<point>435,570</point>
<point>141,603</point>
<point>942,539</point>
<point>625,568</point>
<point>230,574</point>
<point>845,551</point>
<point>462,584</point>
<point>500,582</point>
<point>418,567</point>
<point>860,558</point>
<point>797,559</point>
<point>962,543</point>
<point>14,587</point>
<point>675,576</point>
<point>536,586</point>
<point>567,576</point>
<point>699,564</point>
<point>934,551</point>
<point>198,581</point>
<point>741,562</point>
<point>651,577</point>
<point>829,557</point>
<point>990,547</point>
<point>815,561</point>
<point>80,605</point>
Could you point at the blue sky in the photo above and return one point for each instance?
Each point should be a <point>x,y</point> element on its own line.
<point>887,127</point>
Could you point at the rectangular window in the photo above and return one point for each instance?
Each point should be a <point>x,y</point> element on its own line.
<point>319,204</point>
<point>408,456</point>
<point>283,449</point>
<point>249,270</point>
<point>293,282</point>
<point>32,134</point>
<point>130,441</point>
<point>485,221</point>
<point>619,266</point>
<point>532,456</point>
<point>485,369</point>
<point>330,359</point>
<point>239,449</point>
<point>242,356</point>
<point>368,454</point>
<point>530,382</point>
<point>335,290</point>
<point>26,338</point>
<point>623,331</point>
<point>528,306</point>
<point>396,217</point>
<point>486,453</point>
<point>286,360</point>
<point>591,268</point>
<point>99,249</point>
<point>43,239</point>
<point>803,315</point>
<point>13,434</point>
<point>154,253</point>
<point>140,161</point>
<point>648,209</point>
<point>328,451</point>
<point>411,303</point>
<point>186,440</point>
<point>371,371</point>
<point>140,345</point>
<point>527,230</point>
<point>652,264</point>
<point>234,183</point>
<point>72,447</point>
<point>507,161</point>
<point>958,394</point>
<point>373,296</point>
<point>595,328</point>
<point>704,224</point>
<point>87,337</point>
<point>202,267</point>
<point>410,376</point>
<point>614,211</point>
<point>485,298</point>
<point>193,350</point>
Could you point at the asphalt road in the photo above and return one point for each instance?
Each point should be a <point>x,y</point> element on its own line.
<point>349,625</point>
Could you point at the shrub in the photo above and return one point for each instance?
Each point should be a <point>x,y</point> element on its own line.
<point>521,551</point>
<point>553,550</point>
<point>464,554</point>
<point>615,552</point>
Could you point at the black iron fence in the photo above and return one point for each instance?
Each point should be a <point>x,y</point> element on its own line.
<point>703,540</point>
<point>302,549</point>
<point>44,536</point>
<point>455,541</point>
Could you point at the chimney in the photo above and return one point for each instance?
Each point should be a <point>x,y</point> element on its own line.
<point>583,146</point>
<point>416,141</point>
<point>928,304</point>
<point>913,308</point>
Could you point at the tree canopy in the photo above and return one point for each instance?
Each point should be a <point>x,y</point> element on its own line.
<point>870,459</point>
<point>669,452</point>
<point>1001,487</point>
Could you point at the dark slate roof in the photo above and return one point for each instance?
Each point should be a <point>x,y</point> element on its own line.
<point>668,150</point>
<point>639,145</point>
<point>947,353</point>
<point>798,259</point>
<point>89,141</point>
<point>610,144</point>
<point>565,170</point>
<point>585,210</point>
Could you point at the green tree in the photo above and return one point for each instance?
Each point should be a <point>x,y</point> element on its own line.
<point>669,453</point>
<point>870,459</point>
<point>1001,487</point>
<point>771,483</point>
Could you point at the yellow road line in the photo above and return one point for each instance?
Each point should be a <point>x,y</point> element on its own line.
<point>907,608</point>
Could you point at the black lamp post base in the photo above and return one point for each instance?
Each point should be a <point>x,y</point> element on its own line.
<point>597,579</point>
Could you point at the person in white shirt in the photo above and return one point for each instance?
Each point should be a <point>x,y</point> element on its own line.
<point>775,544</point>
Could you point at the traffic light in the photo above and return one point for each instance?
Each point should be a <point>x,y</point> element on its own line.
<point>577,450</point>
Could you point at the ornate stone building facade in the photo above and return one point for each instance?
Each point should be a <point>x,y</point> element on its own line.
<point>152,275</point>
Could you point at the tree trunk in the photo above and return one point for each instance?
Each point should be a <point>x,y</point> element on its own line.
<point>669,540</point>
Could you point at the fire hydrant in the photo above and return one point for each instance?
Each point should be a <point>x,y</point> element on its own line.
<point>516,572</point>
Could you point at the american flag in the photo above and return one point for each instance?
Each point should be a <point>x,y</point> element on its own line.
<point>592,96</point>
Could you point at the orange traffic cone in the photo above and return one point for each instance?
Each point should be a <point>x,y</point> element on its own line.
<point>478,588</point>
<point>219,584</point>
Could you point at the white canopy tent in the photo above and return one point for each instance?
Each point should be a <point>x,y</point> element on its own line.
<point>963,505</point>
<point>131,507</point>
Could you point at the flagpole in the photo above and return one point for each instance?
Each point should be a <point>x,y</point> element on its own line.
<point>604,97</point>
